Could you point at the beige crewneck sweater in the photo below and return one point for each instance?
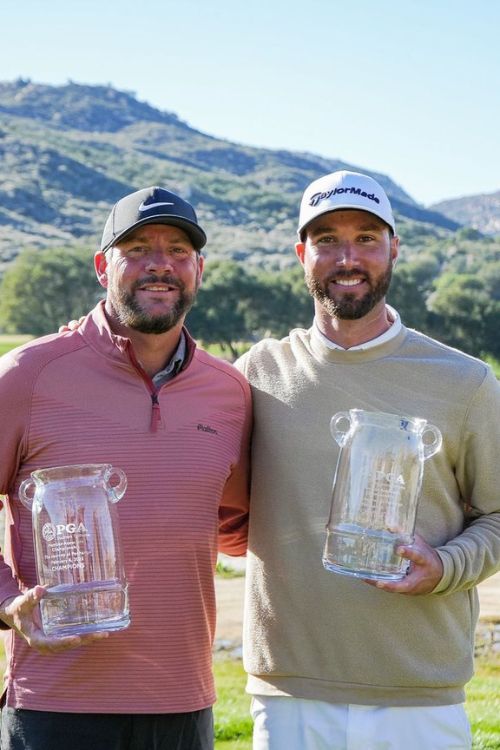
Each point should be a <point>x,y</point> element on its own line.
<point>318,635</point>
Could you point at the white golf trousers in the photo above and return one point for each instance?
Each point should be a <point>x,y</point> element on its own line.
<point>297,724</point>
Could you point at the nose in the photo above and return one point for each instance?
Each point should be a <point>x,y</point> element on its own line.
<point>159,261</point>
<point>346,255</point>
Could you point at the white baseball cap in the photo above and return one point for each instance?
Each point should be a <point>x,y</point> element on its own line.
<point>341,190</point>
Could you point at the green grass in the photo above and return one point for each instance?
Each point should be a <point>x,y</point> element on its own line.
<point>223,352</point>
<point>483,704</point>
<point>233,726</point>
<point>224,570</point>
<point>8,342</point>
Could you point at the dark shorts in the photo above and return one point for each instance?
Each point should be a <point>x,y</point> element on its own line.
<point>46,730</point>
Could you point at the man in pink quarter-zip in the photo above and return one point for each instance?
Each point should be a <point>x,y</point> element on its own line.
<point>130,388</point>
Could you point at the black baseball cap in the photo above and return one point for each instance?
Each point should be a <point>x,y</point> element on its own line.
<point>152,205</point>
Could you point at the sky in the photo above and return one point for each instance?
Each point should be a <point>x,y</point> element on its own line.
<point>408,88</point>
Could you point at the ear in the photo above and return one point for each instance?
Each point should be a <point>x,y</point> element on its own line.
<point>201,265</point>
<point>300,250</point>
<point>394,249</point>
<point>101,265</point>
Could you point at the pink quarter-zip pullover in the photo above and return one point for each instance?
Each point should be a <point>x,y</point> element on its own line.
<point>81,397</point>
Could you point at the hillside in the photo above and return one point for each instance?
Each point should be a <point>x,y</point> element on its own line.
<point>481,212</point>
<point>68,152</point>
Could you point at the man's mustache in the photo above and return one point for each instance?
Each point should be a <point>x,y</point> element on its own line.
<point>352,273</point>
<point>156,279</point>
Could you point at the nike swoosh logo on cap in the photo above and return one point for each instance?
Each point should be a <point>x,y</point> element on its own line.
<point>147,206</point>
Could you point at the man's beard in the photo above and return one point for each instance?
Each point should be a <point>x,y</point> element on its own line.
<point>130,313</point>
<point>349,306</point>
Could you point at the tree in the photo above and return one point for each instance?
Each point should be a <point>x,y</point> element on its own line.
<point>461,305</point>
<point>219,315</point>
<point>234,305</point>
<point>280,302</point>
<point>412,282</point>
<point>490,277</point>
<point>43,289</point>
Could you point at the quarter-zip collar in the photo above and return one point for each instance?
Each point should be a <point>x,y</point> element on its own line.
<point>96,331</point>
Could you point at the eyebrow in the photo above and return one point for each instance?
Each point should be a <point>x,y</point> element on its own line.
<point>133,238</point>
<point>369,226</point>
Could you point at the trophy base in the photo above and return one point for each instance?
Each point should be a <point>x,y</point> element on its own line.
<point>369,575</point>
<point>77,609</point>
<point>353,550</point>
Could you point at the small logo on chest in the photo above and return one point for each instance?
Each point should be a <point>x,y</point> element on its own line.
<point>207,428</point>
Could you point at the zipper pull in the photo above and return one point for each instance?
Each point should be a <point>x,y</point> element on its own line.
<point>155,413</point>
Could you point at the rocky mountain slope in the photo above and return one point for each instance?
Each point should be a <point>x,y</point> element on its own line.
<point>68,152</point>
<point>481,212</point>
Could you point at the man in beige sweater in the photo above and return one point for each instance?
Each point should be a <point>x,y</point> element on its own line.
<point>333,662</point>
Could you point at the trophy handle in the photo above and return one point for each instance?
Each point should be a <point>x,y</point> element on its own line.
<point>24,497</point>
<point>338,434</point>
<point>118,491</point>
<point>431,448</point>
